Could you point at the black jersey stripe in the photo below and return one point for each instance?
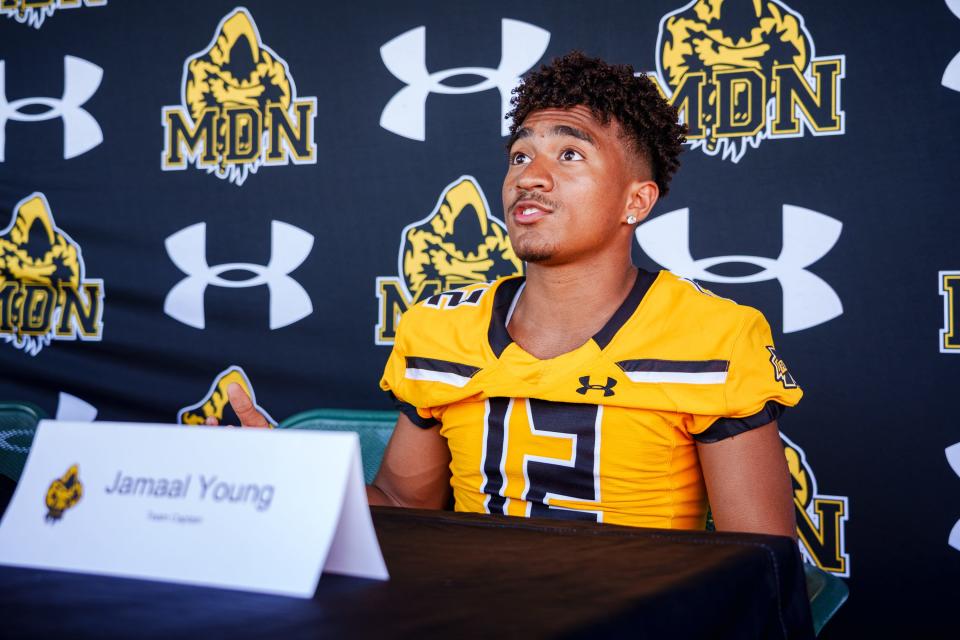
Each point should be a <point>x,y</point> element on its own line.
<point>675,366</point>
<point>410,411</point>
<point>727,427</point>
<point>493,454</point>
<point>620,317</point>
<point>442,366</point>
<point>497,334</point>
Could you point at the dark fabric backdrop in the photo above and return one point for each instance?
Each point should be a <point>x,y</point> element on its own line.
<point>876,419</point>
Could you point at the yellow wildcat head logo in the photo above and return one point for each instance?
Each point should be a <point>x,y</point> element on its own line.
<point>216,401</point>
<point>34,12</point>
<point>240,108</point>
<point>458,244</point>
<point>741,71</point>
<point>44,295</point>
<point>821,519</point>
<point>63,493</point>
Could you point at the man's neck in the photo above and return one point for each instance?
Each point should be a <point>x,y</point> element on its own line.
<point>561,307</point>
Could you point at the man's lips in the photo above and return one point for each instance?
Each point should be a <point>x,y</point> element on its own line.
<point>529,211</point>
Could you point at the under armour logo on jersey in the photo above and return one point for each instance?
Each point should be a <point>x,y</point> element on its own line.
<point>289,247</point>
<point>807,236</point>
<point>522,45</point>
<point>607,389</point>
<point>81,132</point>
<point>953,457</point>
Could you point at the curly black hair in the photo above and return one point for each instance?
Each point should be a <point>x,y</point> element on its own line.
<point>609,91</point>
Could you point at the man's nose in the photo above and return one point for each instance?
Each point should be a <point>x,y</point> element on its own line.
<point>536,175</point>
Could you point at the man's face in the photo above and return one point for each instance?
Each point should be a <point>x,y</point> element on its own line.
<point>566,188</point>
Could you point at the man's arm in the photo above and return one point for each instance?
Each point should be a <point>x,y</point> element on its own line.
<point>748,482</point>
<point>415,471</point>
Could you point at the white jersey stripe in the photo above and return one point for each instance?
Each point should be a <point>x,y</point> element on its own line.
<point>678,377</point>
<point>437,376</point>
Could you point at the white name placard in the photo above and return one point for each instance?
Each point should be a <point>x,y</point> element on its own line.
<point>251,509</point>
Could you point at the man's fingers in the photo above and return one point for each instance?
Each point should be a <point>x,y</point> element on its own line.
<point>243,407</point>
<point>212,421</point>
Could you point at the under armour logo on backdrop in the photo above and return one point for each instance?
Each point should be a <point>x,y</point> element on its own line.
<point>606,388</point>
<point>951,75</point>
<point>74,409</point>
<point>81,132</point>
<point>405,56</point>
<point>289,247</point>
<point>807,236</point>
<point>953,457</point>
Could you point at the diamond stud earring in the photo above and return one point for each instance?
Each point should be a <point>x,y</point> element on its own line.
<point>631,219</point>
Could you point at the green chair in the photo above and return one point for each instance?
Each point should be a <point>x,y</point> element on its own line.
<point>826,592</point>
<point>18,424</point>
<point>373,427</point>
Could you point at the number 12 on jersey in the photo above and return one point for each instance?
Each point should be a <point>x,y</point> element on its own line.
<point>542,459</point>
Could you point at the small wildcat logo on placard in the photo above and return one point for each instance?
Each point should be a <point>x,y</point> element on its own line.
<point>64,493</point>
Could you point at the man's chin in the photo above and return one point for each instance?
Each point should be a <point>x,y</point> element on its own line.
<point>535,256</point>
<point>532,248</point>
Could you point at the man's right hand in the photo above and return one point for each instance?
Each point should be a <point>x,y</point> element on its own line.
<point>244,408</point>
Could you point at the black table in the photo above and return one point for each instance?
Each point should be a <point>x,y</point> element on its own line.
<point>460,575</point>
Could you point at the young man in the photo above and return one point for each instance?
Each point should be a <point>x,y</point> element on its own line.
<point>588,389</point>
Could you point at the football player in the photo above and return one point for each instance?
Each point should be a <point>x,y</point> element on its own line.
<point>588,389</point>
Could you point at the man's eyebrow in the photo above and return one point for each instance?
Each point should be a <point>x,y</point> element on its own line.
<point>559,130</point>
<point>565,130</point>
<point>522,132</point>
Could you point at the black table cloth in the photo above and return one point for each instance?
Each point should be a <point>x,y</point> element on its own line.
<point>460,575</point>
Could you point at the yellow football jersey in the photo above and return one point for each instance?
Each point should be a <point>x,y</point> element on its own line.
<point>605,432</point>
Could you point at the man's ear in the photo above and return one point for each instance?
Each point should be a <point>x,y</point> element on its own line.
<point>641,196</point>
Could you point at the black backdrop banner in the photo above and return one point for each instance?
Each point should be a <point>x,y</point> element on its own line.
<point>193,193</point>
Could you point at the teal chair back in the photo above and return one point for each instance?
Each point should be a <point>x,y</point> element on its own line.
<point>18,424</point>
<point>827,593</point>
<point>373,427</point>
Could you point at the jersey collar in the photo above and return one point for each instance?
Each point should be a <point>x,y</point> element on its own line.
<point>503,299</point>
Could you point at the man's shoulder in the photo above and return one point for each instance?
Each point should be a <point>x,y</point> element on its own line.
<point>471,300</point>
<point>679,319</point>
<point>458,314</point>
<point>684,298</point>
